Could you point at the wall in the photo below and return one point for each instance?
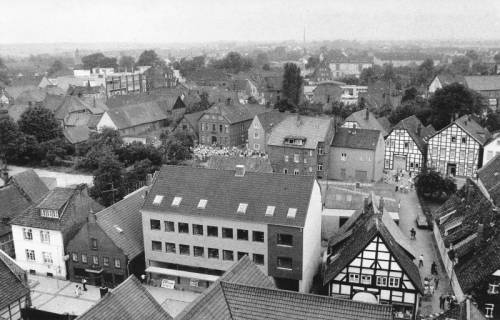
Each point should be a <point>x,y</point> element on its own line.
<point>105,122</point>
<point>491,150</point>
<point>277,158</point>
<point>394,145</point>
<point>295,252</point>
<point>256,127</point>
<point>13,311</point>
<point>378,169</point>
<point>357,159</point>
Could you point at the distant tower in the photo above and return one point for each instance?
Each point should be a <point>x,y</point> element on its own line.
<point>304,40</point>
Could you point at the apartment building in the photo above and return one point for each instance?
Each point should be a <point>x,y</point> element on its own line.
<point>197,222</point>
<point>261,127</point>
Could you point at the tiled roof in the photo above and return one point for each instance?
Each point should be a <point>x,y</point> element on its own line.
<point>362,227</point>
<point>136,114</point>
<point>446,79</point>
<point>17,110</point>
<point>224,192</point>
<point>252,164</point>
<point>469,125</point>
<point>465,310</point>
<point>12,287</point>
<point>411,125</point>
<point>490,178</point>
<point>236,112</point>
<point>30,183</point>
<point>125,215</point>
<point>13,204</point>
<point>128,301</point>
<point>314,129</point>
<point>370,123</point>
<point>356,138</point>
<point>15,91</point>
<point>52,102</point>
<point>76,134</point>
<point>268,120</point>
<point>72,104</point>
<point>193,118</point>
<point>31,95</point>
<point>483,83</point>
<point>385,123</point>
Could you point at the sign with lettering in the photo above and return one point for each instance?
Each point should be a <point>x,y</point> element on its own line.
<point>169,284</point>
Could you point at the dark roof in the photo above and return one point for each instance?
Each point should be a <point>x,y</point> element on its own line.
<point>193,118</point>
<point>469,125</point>
<point>74,204</point>
<point>385,123</point>
<point>224,192</point>
<point>244,292</point>
<point>136,114</point>
<point>270,119</point>
<point>483,83</point>
<point>464,310</point>
<point>72,104</point>
<point>236,112</point>
<point>252,164</point>
<point>446,79</point>
<point>364,123</point>
<point>361,228</point>
<point>30,183</point>
<point>412,125</point>
<point>13,203</point>
<point>76,134</point>
<point>356,138</point>
<point>125,215</point>
<point>128,301</point>
<point>490,178</point>
<point>12,287</point>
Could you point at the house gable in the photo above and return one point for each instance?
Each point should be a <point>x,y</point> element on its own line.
<point>106,122</point>
<point>400,143</point>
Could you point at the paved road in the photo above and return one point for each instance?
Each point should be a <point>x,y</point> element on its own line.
<point>63,179</point>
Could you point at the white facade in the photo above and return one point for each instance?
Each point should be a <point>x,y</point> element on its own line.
<point>106,122</point>
<point>350,93</point>
<point>343,69</point>
<point>401,152</point>
<point>43,253</point>
<point>491,149</point>
<point>81,73</point>
<point>435,85</point>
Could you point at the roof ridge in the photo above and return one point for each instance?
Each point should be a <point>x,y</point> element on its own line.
<point>221,284</point>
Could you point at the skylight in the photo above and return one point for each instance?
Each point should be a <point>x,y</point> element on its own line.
<point>270,210</point>
<point>118,228</point>
<point>202,204</point>
<point>242,208</point>
<point>291,213</point>
<point>176,202</point>
<point>157,200</point>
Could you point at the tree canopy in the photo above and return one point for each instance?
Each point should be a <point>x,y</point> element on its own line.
<point>95,60</point>
<point>126,63</point>
<point>40,123</point>
<point>108,185</point>
<point>292,83</point>
<point>234,62</point>
<point>9,138</point>
<point>150,58</point>
<point>432,185</point>
<point>57,68</point>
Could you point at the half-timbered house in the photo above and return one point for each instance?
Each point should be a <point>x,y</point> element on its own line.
<point>369,259</point>
<point>457,148</point>
<point>405,148</point>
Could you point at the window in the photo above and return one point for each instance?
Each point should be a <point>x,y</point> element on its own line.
<point>45,236</point>
<point>292,212</point>
<point>226,127</point>
<point>270,210</point>
<point>214,127</point>
<point>285,171</point>
<point>202,204</point>
<point>453,139</point>
<point>407,145</point>
<point>256,125</point>
<point>47,257</point>
<point>49,213</point>
<point>184,249</point>
<point>155,224</point>
<point>305,160</point>
<point>220,128</point>
<point>366,279</point>
<point>393,282</point>
<point>464,139</point>
<point>242,207</point>
<point>227,233</point>
<point>95,260</point>
<point>343,156</point>
<point>197,229</point>
<point>74,256</point>
<point>156,245</point>
<point>258,259</point>
<point>296,158</point>
<point>30,255</point>
<point>157,200</point>
<point>382,281</point>
<point>256,135</point>
<point>320,167</point>
<point>176,202</point>
<point>284,263</point>
<point>169,226</point>
<point>286,158</point>
<point>93,243</point>
<point>242,234</point>
<point>242,254</point>
<point>213,253</point>
<point>212,231</point>
<point>27,234</point>
<point>256,146</point>
<point>183,227</point>
<point>170,247</point>
<point>488,307</point>
<point>84,258</point>
<point>198,251</point>
<point>105,261</point>
<point>258,236</point>
<point>353,277</point>
<point>227,255</point>
<point>285,239</point>
<point>118,263</point>
<point>296,172</point>
<point>321,151</point>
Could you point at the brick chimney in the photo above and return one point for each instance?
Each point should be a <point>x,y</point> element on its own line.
<point>367,114</point>
<point>240,170</point>
<point>149,179</point>
<point>91,217</point>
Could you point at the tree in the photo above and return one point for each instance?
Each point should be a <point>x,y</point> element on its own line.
<point>135,177</point>
<point>479,68</point>
<point>41,123</point>
<point>312,62</point>
<point>9,139</point>
<point>454,100</point>
<point>261,59</point>
<point>409,94</point>
<point>460,65</point>
<point>108,180</point>
<point>402,112</point>
<point>388,72</point>
<point>150,58</point>
<point>57,68</point>
<point>4,73</point>
<point>432,185</point>
<point>178,147</point>
<point>497,58</point>
<point>369,75</point>
<point>106,141</point>
<point>292,83</point>
<point>126,63</point>
<point>472,55</point>
<point>492,121</point>
<point>425,72</point>
<point>98,60</point>
<point>234,62</point>
<point>266,67</point>
<point>136,151</point>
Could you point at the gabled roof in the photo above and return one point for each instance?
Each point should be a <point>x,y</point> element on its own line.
<point>125,215</point>
<point>192,118</point>
<point>412,125</point>
<point>269,120</point>
<point>362,228</point>
<point>489,175</point>
<point>224,192</point>
<point>72,104</point>
<point>52,102</point>
<point>13,203</point>
<point>446,79</point>
<point>356,138</point>
<point>128,301</point>
<point>364,123</point>
<point>12,287</point>
<point>236,112</point>
<point>314,129</point>
<point>136,114</point>
<point>30,183</point>
<point>252,164</point>
<point>483,83</point>
<point>469,125</point>
<point>465,310</point>
<point>76,134</point>
<point>245,293</point>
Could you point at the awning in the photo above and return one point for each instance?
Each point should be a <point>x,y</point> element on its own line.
<point>93,270</point>
<point>183,274</point>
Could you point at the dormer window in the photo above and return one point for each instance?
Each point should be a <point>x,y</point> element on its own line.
<point>202,204</point>
<point>270,211</point>
<point>493,288</point>
<point>176,202</point>
<point>291,213</point>
<point>49,213</point>
<point>242,207</point>
<point>157,200</point>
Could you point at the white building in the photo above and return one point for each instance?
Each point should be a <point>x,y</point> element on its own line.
<point>491,148</point>
<point>350,93</point>
<point>345,69</point>
<point>41,232</point>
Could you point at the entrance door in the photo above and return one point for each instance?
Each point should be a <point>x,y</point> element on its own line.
<point>214,139</point>
<point>399,163</point>
<point>451,169</point>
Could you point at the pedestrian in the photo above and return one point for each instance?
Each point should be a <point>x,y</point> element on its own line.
<point>436,282</point>
<point>413,233</point>
<point>84,284</point>
<point>441,301</point>
<point>143,278</point>
<point>433,268</point>
<point>421,261</point>
<point>77,292</point>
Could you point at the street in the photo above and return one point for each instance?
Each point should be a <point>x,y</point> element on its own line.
<point>63,179</point>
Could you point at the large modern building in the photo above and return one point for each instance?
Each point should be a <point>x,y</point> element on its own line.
<point>197,222</point>
<point>457,149</point>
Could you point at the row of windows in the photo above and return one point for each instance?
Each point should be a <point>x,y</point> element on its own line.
<point>381,281</point>
<point>206,127</point>
<point>296,156</point>
<point>297,171</point>
<point>212,253</point>
<point>343,157</point>
<point>95,260</point>
<point>44,235</point>
<point>46,256</point>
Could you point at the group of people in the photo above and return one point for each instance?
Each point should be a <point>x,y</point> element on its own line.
<point>78,289</point>
<point>451,300</point>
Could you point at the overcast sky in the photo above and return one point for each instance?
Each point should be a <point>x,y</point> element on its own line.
<point>28,21</point>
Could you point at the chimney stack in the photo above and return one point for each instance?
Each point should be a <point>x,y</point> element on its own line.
<point>381,205</point>
<point>419,129</point>
<point>480,234</point>
<point>367,114</point>
<point>240,170</point>
<point>149,179</point>
<point>91,218</point>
